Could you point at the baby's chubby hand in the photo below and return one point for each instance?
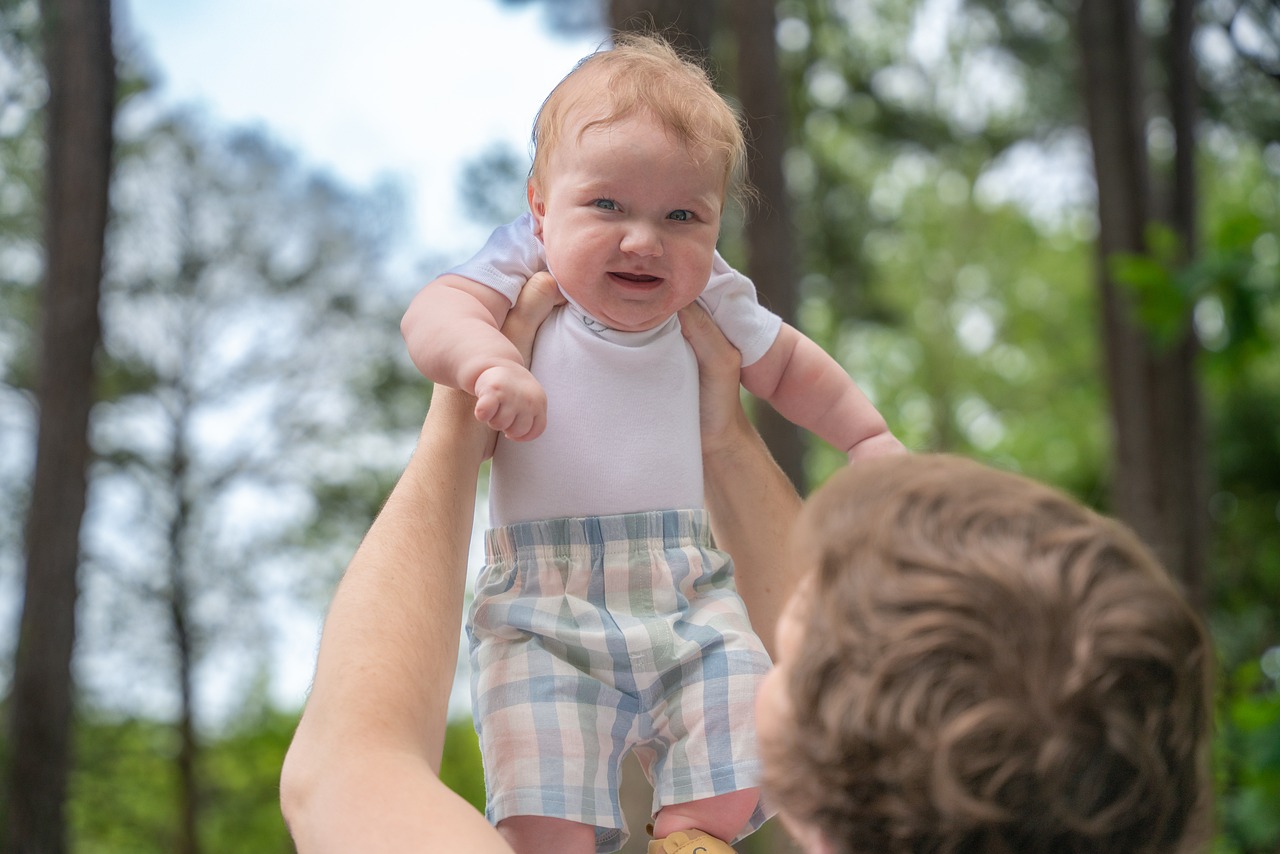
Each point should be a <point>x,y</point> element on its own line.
<point>511,401</point>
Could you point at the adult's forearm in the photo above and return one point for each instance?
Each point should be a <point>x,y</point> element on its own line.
<point>371,737</point>
<point>753,506</point>
<point>752,503</point>
<point>362,770</point>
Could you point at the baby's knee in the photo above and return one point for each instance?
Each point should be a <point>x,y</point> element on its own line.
<point>536,833</point>
<point>721,816</point>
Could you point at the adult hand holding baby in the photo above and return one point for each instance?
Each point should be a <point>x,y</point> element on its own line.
<point>508,397</point>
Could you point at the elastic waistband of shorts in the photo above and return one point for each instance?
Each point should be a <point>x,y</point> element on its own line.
<point>627,532</point>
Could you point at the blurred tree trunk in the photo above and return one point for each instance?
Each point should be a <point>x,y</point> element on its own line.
<point>79,114</point>
<point>1189,525</point>
<point>770,240</point>
<point>181,623</point>
<point>1159,457</point>
<point>688,24</point>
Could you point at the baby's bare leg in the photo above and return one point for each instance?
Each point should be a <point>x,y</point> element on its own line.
<point>722,816</point>
<point>535,834</point>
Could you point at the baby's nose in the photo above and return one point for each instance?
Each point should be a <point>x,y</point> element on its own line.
<point>641,239</point>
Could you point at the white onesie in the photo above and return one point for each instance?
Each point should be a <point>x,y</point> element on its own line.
<point>622,430</point>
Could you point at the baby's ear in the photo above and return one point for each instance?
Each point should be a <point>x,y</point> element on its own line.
<point>537,206</point>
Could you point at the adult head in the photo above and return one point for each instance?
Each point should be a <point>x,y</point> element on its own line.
<point>978,663</point>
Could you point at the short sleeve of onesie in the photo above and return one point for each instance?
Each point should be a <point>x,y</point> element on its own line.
<point>513,253</point>
<point>508,258</point>
<point>730,298</point>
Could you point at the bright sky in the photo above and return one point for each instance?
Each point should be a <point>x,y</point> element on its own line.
<point>366,88</point>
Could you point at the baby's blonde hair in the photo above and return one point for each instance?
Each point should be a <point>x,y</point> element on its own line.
<point>643,74</point>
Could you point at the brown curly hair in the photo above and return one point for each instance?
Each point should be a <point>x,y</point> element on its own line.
<point>987,666</point>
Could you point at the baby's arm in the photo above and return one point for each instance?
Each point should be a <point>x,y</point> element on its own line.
<point>809,388</point>
<point>453,331</point>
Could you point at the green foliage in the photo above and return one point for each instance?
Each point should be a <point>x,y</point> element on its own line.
<point>1241,328</point>
<point>123,794</point>
<point>1160,283</point>
<point>1239,271</point>
<point>969,322</point>
<point>242,785</point>
<point>461,768</point>
<point>1239,322</point>
<point>992,353</point>
<point>1247,760</point>
<point>1241,318</point>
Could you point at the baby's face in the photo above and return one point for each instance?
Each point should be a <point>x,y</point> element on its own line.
<point>629,218</point>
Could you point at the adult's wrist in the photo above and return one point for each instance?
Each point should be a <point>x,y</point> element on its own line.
<point>451,427</point>
<point>729,439</point>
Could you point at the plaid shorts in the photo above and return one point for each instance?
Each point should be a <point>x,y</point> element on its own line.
<point>597,636</point>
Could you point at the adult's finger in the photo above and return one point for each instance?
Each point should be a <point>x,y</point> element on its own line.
<point>719,373</point>
<point>537,298</point>
<point>716,356</point>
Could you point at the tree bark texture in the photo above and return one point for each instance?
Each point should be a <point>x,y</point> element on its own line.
<point>1158,441</point>
<point>1193,529</point>
<point>770,236</point>
<point>79,114</point>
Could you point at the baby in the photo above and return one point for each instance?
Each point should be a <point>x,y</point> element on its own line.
<point>605,621</point>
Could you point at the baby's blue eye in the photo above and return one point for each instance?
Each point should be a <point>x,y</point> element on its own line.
<point>606,204</point>
<point>680,215</point>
